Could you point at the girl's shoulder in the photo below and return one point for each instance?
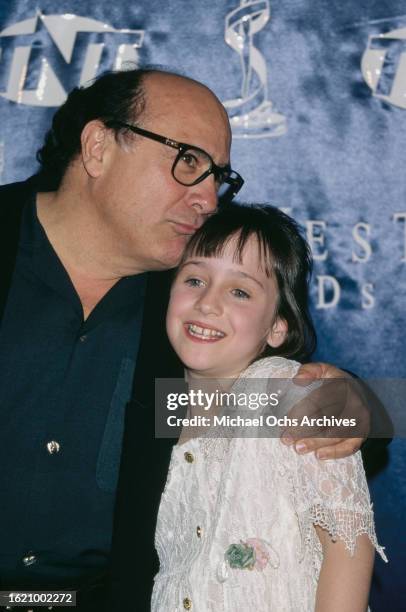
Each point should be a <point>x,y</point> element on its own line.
<point>272,367</point>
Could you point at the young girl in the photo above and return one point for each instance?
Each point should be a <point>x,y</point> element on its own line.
<point>246,524</point>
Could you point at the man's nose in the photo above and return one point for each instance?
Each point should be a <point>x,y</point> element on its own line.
<point>210,302</point>
<point>203,196</point>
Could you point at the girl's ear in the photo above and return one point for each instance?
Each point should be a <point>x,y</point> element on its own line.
<point>278,333</point>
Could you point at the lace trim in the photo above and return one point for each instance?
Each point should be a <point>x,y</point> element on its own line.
<point>341,525</point>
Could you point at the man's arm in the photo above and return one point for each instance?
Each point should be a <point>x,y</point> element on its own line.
<point>350,400</point>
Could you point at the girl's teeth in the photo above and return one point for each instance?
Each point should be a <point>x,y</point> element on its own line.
<point>196,330</point>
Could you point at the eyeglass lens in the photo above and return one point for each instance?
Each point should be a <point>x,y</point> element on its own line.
<point>194,163</point>
<point>191,165</point>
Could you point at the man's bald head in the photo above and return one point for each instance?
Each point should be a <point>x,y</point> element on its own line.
<point>132,96</point>
<point>166,92</point>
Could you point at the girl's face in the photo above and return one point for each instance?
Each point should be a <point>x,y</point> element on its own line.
<point>221,313</point>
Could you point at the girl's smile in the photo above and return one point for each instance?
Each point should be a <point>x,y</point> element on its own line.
<point>199,332</point>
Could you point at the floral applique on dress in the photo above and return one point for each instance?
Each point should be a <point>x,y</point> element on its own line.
<point>254,553</point>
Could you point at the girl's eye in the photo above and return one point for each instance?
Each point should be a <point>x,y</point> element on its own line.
<point>240,294</point>
<point>194,282</point>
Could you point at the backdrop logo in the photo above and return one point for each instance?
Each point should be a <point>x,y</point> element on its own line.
<point>251,114</point>
<point>383,66</point>
<point>44,57</point>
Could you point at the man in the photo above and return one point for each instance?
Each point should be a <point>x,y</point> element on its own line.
<point>118,196</point>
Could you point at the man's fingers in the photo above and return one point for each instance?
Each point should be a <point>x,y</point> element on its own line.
<point>308,373</point>
<point>329,448</point>
<point>290,434</point>
<point>343,449</point>
<point>336,409</point>
<point>330,398</point>
<point>307,445</point>
<point>319,370</point>
<point>314,371</point>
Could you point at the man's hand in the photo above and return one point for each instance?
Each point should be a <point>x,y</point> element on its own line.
<point>339,396</point>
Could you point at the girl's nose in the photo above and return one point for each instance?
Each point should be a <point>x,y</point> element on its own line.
<point>209,303</point>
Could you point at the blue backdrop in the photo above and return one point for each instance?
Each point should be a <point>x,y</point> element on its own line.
<point>316,92</point>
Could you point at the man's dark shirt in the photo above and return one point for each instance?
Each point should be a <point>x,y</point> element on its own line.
<point>64,384</point>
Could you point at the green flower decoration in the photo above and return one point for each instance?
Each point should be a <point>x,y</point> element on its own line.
<point>240,556</point>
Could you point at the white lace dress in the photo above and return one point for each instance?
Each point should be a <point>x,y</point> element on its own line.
<point>257,494</point>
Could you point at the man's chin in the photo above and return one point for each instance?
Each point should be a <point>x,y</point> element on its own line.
<point>172,257</point>
<point>167,261</point>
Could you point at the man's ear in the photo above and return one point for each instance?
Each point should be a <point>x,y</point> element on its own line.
<point>94,139</point>
<point>278,333</point>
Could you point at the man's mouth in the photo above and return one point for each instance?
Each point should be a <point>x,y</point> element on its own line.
<point>206,334</point>
<point>185,228</point>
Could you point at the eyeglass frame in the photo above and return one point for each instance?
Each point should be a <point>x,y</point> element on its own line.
<point>237,182</point>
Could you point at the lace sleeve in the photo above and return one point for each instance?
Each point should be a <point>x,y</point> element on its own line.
<point>334,495</point>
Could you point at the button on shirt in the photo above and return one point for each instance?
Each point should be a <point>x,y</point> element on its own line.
<point>64,385</point>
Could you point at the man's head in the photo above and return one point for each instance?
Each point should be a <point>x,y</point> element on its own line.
<point>127,179</point>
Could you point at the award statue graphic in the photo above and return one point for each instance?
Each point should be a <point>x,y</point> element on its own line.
<point>251,115</point>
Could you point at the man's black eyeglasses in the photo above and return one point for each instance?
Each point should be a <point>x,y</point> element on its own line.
<point>192,164</point>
